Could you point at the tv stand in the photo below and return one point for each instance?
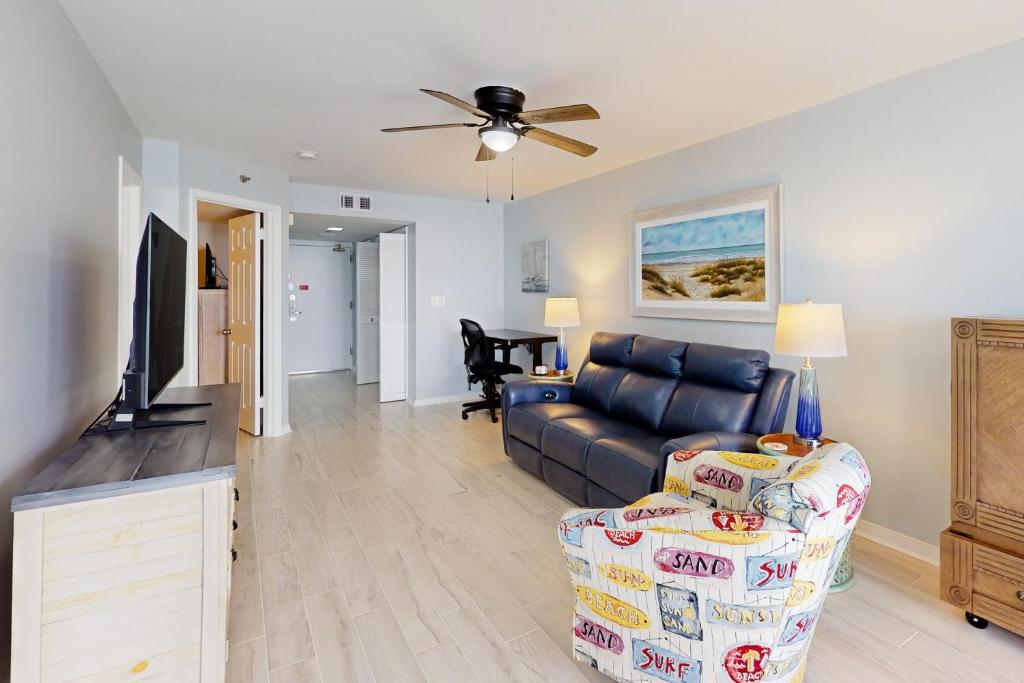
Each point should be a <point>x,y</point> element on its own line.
<point>129,419</point>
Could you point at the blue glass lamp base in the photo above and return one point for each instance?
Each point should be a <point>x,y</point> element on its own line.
<point>808,412</point>
<point>561,353</point>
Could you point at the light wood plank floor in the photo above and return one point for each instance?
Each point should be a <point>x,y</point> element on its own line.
<point>385,543</point>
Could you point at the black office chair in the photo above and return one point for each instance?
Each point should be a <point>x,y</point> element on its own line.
<point>481,367</point>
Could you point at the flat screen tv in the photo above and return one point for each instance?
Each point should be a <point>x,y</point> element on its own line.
<point>158,332</point>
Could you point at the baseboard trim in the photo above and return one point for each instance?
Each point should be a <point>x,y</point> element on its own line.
<point>441,400</point>
<point>908,545</point>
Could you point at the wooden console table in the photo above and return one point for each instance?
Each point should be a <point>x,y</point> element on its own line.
<point>122,552</point>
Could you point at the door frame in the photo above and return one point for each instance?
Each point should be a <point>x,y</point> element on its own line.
<point>270,307</point>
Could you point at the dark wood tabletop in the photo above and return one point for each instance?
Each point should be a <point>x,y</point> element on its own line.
<point>128,462</point>
<point>507,340</point>
<point>520,336</point>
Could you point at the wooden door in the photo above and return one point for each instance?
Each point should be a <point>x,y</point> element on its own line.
<point>367,313</point>
<point>392,317</point>
<point>244,316</point>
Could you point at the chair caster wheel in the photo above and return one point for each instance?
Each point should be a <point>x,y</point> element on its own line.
<point>976,621</point>
<point>494,420</point>
<point>465,417</point>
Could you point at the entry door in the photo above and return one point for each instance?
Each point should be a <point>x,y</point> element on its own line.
<point>367,313</point>
<point>392,317</point>
<point>244,316</point>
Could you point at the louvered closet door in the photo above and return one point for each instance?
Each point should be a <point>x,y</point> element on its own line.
<point>392,317</point>
<point>367,313</point>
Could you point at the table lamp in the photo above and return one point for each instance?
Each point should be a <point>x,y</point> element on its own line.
<point>561,312</point>
<point>809,330</point>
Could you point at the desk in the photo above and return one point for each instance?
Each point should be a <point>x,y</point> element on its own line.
<point>506,340</point>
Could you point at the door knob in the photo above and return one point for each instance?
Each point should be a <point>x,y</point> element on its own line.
<point>227,331</point>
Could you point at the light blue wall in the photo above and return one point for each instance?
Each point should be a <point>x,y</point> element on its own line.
<point>902,202</point>
<point>61,131</point>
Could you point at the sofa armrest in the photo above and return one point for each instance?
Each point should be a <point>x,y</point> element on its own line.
<point>534,391</point>
<point>530,391</point>
<point>705,441</point>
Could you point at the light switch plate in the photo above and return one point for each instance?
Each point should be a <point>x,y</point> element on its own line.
<point>437,301</point>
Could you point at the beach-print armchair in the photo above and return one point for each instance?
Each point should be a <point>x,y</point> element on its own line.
<point>721,577</point>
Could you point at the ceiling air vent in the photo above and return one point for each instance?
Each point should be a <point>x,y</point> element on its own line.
<point>354,202</point>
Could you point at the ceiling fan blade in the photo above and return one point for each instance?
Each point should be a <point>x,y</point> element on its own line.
<point>451,99</point>
<point>486,153</point>
<point>437,125</point>
<point>559,141</point>
<point>573,112</point>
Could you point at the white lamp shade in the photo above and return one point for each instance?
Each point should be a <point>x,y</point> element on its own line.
<point>813,330</point>
<point>561,312</point>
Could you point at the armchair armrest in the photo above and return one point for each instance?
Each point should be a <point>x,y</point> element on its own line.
<point>706,441</point>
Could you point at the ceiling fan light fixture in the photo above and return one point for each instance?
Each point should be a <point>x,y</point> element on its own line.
<point>499,136</point>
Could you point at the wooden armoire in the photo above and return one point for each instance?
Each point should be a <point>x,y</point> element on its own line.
<point>982,552</point>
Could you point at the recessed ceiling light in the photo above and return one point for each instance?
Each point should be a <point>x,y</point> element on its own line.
<point>309,155</point>
<point>334,228</point>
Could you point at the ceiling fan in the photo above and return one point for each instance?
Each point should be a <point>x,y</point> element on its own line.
<point>505,121</point>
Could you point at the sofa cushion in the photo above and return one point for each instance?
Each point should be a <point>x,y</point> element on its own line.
<point>567,441</point>
<point>596,385</point>
<point>609,348</point>
<point>572,485</point>
<point>662,357</point>
<point>525,456</point>
<point>625,466</point>
<point>725,366</point>
<point>642,399</point>
<point>702,408</point>
<point>526,421</point>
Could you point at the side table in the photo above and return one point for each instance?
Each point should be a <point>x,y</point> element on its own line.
<point>785,444</point>
<point>555,375</point>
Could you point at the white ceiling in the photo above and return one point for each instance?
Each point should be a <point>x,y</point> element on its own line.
<point>261,79</point>
<point>309,226</point>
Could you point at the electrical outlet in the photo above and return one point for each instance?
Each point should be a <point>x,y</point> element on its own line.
<point>437,301</point>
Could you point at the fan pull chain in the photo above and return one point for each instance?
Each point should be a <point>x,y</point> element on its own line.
<point>487,165</point>
<point>513,198</point>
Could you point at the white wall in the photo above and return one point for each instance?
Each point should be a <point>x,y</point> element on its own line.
<point>901,202</point>
<point>458,255</point>
<point>321,336</point>
<point>62,131</point>
<point>170,172</point>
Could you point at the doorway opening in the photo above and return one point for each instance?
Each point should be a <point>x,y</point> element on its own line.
<point>227,321</point>
<point>349,294</point>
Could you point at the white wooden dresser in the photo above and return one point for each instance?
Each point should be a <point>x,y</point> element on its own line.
<point>122,553</point>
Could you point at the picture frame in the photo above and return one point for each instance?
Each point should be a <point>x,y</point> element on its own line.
<point>535,266</point>
<point>716,258</point>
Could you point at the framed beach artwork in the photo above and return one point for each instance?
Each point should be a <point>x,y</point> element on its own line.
<point>535,266</point>
<point>713,259</point>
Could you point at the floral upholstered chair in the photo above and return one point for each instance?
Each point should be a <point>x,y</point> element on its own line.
<point>721,577</point>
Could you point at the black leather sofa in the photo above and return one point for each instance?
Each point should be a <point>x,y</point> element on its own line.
<point>602,442</point>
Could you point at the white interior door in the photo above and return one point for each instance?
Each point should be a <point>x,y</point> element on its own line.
<point>367,312</point>
<point>392,317</point>
<point>244,315</point>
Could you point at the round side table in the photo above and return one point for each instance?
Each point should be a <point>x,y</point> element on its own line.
<point>785,444</point>
<point>555,375</point>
